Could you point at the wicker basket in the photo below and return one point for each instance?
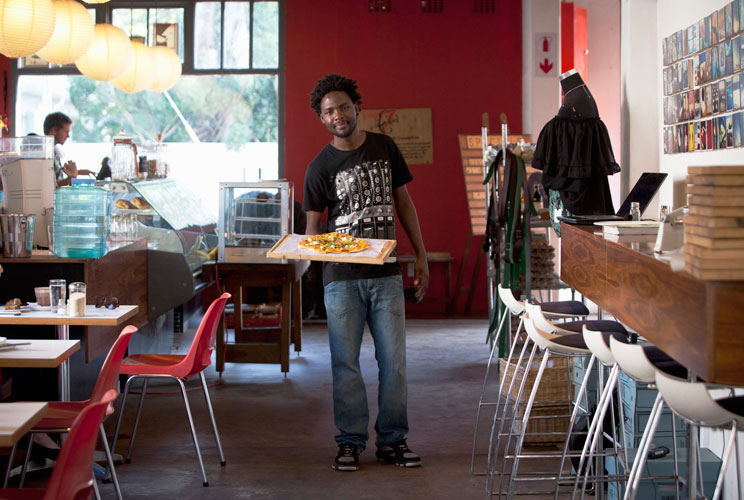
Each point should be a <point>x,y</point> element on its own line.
<point>551,400</point>
<point>553,384</point>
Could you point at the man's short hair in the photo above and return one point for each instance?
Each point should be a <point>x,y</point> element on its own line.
<point>331,83</point>
<point>57,119</point>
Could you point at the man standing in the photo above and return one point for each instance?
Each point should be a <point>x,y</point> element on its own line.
<point>359,176</point>
<point>58,125</point>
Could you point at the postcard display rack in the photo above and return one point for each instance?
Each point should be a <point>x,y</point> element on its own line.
<point>253,217</point>
<point>703,79</point>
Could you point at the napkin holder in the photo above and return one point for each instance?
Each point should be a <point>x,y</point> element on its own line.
<point>671,235</point>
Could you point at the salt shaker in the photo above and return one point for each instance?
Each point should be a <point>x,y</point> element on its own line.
<point>76,301</point>
<point>635,211</point>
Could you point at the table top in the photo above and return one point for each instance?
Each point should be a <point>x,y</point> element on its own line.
<point>37,353</point>
<point>93,317</point>
<point>16,419</point>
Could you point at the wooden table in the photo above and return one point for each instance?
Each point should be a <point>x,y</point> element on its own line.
<point>231,277</point>
<point>16,419</point>
<point>696,322</point>
<point>93,317</point>
<point>34,353</point>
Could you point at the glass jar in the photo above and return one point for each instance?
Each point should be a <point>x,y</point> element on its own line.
<point>77,298</point>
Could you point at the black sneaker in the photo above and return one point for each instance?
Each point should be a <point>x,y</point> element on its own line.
<point>398,454</point>
<point>347,458</point>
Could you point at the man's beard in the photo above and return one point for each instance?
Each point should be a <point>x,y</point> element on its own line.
<point>343,135</point>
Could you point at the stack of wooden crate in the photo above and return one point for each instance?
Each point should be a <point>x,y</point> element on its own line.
<point>714,229</point>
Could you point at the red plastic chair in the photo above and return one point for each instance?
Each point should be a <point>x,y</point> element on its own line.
<point>179,367</point>
<point>72,478</point>
<point>61,414</point>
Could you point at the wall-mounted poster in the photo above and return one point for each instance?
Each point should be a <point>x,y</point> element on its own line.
<point>703,83</point>
<point>410,127</point>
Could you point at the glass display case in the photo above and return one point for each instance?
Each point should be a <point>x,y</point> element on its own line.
<point>253,216</point>
<point>173,219</point>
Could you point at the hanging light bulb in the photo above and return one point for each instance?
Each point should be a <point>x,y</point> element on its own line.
<point>25,26</point>
<point>108,55</point>
<point>167,66</point>
<point>72,36</point>
<point>141,72</point>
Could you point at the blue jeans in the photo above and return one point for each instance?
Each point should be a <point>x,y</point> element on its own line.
<point>349,305</point>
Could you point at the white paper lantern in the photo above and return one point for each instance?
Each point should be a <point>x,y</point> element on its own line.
<point>140,74</point>
<point>25,26</point>
<point>72,36</point>
<point>167,71</point>
<point>108,56</point>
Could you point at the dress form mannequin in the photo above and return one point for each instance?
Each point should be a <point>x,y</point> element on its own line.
<point>575,154</point>
<point>578,102</point>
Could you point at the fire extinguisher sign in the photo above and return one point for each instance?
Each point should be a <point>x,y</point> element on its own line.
<point>546,50</point>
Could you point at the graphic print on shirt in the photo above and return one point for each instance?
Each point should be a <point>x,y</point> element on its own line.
<point>366,201</point>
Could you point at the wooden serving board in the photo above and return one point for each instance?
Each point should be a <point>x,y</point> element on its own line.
<point>715,201</point>
<point>716,180</point>
<point>288,248</point>
<point>699,220</point>
<point>715,190</point>
<point>716,170</point>
<point>713,253</point>
<point>717,211</point>
<point>715,232</point>
<point>716,243</point>
<point>715,264</point>
<point>715,275</point>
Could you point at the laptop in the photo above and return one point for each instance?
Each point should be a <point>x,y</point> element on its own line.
<point>643,192</point>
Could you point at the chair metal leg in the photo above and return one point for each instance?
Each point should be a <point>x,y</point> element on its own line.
<point>499,393</point>
<point>738,465</point>
<point>598,434</point>
<point>493,451</point>
<point>193,432</point>
<point>136,420</point>
<point>574,414</point>
<point>495,345</point>
<point>121,414</point>
<point>110,462</point>
<point>25,461</point>
<point>96,493</point>
<point>10,465</point>
<point>642,453</point>
<point>674,454</point>
<point>726,458</point>
<point>211,417</point>
<point>525,420</point>
<point>515,412</point>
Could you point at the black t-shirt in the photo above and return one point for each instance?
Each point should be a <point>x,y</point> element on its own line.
<point>357,189</point>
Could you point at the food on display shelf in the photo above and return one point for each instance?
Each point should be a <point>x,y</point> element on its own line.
<point>333,243</point>
<point>123,205</point>
<point>140,203</point>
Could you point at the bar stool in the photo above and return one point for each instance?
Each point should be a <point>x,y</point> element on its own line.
<point>553,339</point>
<point>556,310</point>
<point>692,402</point>
<point>640,362</point>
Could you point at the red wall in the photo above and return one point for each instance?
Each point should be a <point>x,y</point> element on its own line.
<point>457,63</point>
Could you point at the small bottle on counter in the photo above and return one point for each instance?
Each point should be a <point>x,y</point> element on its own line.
<point>635,211</point>
<point>663,213</point>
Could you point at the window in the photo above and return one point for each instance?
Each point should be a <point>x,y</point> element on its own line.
<point>228,94</point>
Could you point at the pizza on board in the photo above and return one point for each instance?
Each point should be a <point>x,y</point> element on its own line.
<point>333,243</point>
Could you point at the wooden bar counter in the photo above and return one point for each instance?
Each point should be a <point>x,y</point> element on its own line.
<point>698,323</point>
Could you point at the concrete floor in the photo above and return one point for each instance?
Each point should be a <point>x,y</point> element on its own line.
<point>277,433</point>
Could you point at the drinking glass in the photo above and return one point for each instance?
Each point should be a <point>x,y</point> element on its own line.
<point>57,296</point>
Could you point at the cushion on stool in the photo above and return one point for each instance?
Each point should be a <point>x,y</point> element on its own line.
<point>599,325</point>
<point>734,405</point>
<point>573,340</point>
<point>663,362</point>
<point>565,307</point>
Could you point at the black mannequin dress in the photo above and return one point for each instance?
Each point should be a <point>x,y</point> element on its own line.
<point>575,154</point>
